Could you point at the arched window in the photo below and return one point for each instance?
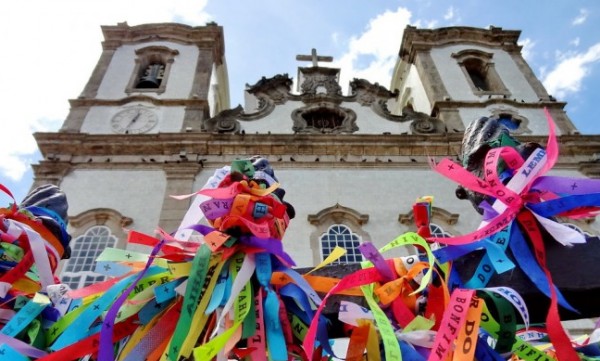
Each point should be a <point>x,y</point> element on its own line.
<point>324,118</point>
<point>477,72</point>
<point>337,226</point>
<point>437,231</point>
<point>517,123</point>
<point>480,72</point>
<point>342,236</point>
<point>78,271</point>
<point>152,68</point>
<point>438,216</point>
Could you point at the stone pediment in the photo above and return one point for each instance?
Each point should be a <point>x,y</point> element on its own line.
<point>319,108</point>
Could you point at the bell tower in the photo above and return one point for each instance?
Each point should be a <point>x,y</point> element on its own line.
<point>153,78</point>
<point>458,74</point>
<point>123,149</point>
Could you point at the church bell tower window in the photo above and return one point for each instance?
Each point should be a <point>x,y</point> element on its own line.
<point>477,72</point>
<point>480,72</point>
<point>152,68</point>
<point>152,76</point>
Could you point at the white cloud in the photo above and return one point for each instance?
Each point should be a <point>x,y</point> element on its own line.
<point>575,42</point>
<point>568,74</point>
<point>375,46</point>
<point>527,50</point>
<point>50,49</point>
<point>335,37</point>
<point>581,18</point>
<point>425,24</point>
<point>449,13</point>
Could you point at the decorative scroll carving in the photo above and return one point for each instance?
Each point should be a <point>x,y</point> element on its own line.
<point>421,123</point>
<point>276,88</point>
<point>366,93</point>
<point>320,81</point>
<point>324,118</point>
<point>224,122</point>
<point>377,97</point>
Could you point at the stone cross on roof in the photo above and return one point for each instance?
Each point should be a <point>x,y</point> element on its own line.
<point>314,58</point>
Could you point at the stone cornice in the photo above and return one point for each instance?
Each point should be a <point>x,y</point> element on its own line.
<point>87,102</point>
<point>206,37</point>
<point>293,148</point>
<point>414,39</point>
<point>499,99</point>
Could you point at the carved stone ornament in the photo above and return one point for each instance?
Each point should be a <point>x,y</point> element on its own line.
<point>320,84</point>
<point>366,93</point>
<point>377,97</point>
<point>324,118</point>
<point>224,122</point>
<point>421,123</point>
<point>276,88</point>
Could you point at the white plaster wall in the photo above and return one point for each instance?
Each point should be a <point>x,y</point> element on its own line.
<point>133,193</point>
<point>170,120</point>
<point>417,91</point>
<point>122,65</point>
<point>370,123</point>
<point>457,85</point>
<point>213,96</point>
<point>382,194</point>
<point>98,119</point>
<point>280,121</point>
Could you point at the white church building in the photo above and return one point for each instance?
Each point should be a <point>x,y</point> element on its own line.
<point>154,120</point>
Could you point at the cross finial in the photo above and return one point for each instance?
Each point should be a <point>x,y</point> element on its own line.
<point>314,58</point>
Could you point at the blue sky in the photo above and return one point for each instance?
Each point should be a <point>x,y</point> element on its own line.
<point>51,47</point>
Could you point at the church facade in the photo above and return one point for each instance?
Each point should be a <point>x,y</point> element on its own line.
<point>154,120</point>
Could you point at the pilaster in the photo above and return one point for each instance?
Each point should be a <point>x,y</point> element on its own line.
<point>432,81</point>
<point>180,179</point>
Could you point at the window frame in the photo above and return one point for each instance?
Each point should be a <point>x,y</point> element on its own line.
<point>86,276</point>
<point>488,70</point>
<point>336,231</point>
<point>335,215</point>
<point>145,57</point>
<point>79,225</point>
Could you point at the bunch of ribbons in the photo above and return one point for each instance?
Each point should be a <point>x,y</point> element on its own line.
<point>233,293</point>
<point>422,310</point>
<point>30,249</point>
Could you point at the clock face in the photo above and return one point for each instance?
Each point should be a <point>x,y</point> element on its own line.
<point>134,120</point>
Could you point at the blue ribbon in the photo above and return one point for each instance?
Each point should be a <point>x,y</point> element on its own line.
<point>166,291</point>
<point>409,353</point>
<point>219,291</point>
<point>556,206</point>
<point>531,268</point>
<point>484,352</point>
<point>493,259</point>
<point>274,333</point>
<point>150,310</point>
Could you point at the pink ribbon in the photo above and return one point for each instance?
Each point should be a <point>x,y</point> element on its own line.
<point>508,201</point>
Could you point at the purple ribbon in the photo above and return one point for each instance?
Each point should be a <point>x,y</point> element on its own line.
<point>22,347</point>
<point>106,344</point>
<point>215,208</point>
<point>566,185</point>
<point>373,255</point>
